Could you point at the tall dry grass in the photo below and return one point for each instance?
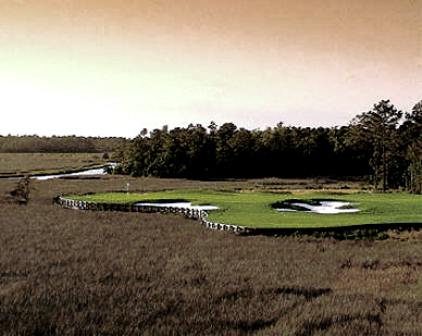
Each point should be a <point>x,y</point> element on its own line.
<point>34,163</point>
<point>65,272</point>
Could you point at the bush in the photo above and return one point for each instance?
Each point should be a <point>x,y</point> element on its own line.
<point>21,193</point>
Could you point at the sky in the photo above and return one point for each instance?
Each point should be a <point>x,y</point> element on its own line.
<point>114,67</point>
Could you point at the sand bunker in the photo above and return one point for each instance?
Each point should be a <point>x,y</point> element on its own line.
<point>179,205</point>
<point>316,206</point>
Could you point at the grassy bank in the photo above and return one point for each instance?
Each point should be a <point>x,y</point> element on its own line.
<point>253,209</point>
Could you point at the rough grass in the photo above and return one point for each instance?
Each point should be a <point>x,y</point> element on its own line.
<point>65,272</point>
<point>37,163</point>
<point>253,209</point>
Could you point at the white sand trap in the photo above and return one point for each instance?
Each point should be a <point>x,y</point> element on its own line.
<point>180,205</point>
<point>325,207</point>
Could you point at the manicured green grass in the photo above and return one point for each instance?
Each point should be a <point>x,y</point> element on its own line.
<point>253,209</point>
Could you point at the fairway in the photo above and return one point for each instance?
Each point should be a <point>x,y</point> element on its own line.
<point>254,210</point>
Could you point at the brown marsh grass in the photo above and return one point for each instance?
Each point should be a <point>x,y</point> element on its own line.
<point>66,272</point>
<point>25,163</point>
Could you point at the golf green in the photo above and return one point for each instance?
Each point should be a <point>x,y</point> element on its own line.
<point>254,209</point>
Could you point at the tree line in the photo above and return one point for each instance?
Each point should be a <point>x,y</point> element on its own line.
<point>384,144</point>
<point>59,144</point>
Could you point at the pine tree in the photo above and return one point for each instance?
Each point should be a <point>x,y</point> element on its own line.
<point>377,128</point>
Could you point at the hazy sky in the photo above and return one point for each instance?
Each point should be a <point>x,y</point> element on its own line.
<point>113,67</point>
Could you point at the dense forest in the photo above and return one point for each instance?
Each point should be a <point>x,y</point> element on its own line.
<point>383,144</point>
<point>59,144</point>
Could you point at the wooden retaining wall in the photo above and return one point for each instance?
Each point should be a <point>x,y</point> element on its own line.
<point>200,215</point>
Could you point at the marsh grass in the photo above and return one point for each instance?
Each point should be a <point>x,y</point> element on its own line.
<point>66,272</point>
<point>48,163</point>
